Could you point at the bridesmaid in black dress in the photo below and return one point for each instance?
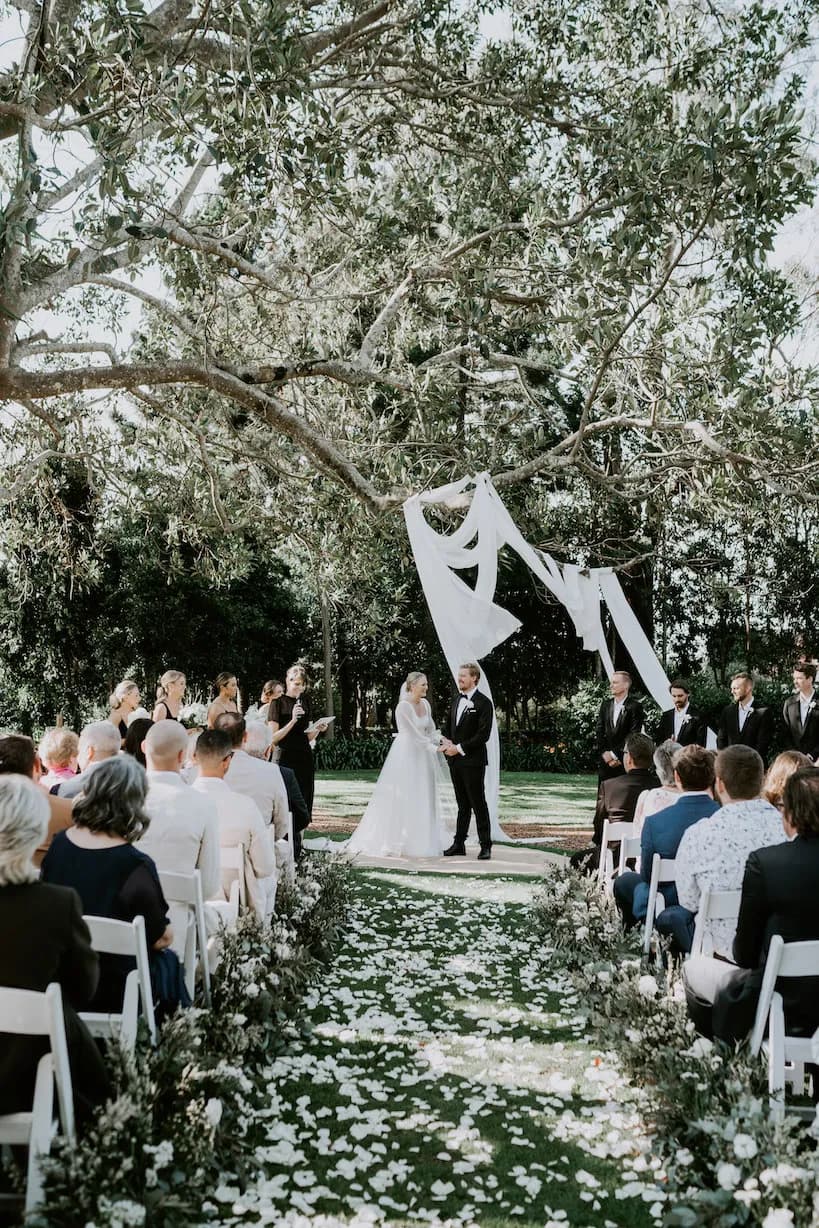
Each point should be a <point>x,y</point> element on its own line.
<point>289,718</point>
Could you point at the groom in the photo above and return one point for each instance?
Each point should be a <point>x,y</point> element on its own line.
<point>466,733</point>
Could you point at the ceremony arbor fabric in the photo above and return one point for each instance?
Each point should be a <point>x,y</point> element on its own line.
<point>469,623</point>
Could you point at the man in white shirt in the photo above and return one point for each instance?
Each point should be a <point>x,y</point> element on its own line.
<point>98,741</point>
<point>239,820</point>
<point>256,779</point>
<point>713,852</point>
<point>800,712</point>
<point>184,831</point>
<point>745,722</point>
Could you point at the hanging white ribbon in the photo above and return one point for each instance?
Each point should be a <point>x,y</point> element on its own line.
<point>469,623</point>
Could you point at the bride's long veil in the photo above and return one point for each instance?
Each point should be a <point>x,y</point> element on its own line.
<point>444,796</point>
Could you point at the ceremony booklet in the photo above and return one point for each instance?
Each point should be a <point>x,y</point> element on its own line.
<point>316,725</point>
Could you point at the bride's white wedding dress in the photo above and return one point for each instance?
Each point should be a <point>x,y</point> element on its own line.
<point>405,816</point>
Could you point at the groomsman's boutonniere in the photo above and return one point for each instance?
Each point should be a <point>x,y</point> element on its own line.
<point>811,705</point>
<point>470,707</point>
<point>685,719</point>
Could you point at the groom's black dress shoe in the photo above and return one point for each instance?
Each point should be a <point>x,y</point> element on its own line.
<point>485,855</point>
<point>455,850</point>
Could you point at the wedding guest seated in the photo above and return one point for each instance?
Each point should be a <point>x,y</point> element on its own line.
<point>98,742</point>
<point>256,779</point>
<point>713,852</point>
<point>46,941</point>
<point>18,756</point>
<point>122,703</point>
<point>58,755</point>
<point>780,772</point>
<point>662,832</point>
<point>227,688</point>
<point>617,797</point>
<point>258,747</point>
<point>780,887</point>
<point>183,835</point>
<point>653,800</point>
<point>98,859</point>
<point>135,737</point>
<point>239,820</point>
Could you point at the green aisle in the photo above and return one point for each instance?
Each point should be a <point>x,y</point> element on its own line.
<point>446,1080</point>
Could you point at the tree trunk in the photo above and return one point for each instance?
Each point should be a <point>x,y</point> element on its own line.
<point>327,645</point>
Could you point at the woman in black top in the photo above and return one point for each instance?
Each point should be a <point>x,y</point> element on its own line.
<point>113,879</point>
<point>289,718</point>
<point>169,695</point>
<point>46,940</point>
<point>122,702</point>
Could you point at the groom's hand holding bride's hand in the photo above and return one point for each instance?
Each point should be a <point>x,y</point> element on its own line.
<point>444,745</point>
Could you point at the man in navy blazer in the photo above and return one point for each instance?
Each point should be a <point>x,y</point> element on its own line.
<point>663,831</point>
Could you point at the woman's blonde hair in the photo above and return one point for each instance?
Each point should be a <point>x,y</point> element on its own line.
<point>24,817</point>
<point>780,772</point>
<point>414,676</point>
<point>120,691</point>
<point>170,676</point>
<point>58,746</point>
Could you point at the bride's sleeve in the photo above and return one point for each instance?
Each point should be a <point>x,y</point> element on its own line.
<point>406,723</point>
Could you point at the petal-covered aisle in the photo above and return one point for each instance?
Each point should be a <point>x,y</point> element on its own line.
<point>446,1080</point>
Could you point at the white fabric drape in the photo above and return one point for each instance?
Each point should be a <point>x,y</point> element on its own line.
<point>469,623</point>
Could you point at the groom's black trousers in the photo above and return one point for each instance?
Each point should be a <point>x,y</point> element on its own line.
<point>467,780</point>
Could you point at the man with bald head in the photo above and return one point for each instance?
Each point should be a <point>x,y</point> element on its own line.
<point>183,835</point>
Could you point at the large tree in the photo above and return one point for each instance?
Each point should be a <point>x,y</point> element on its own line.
<point>373,243</point>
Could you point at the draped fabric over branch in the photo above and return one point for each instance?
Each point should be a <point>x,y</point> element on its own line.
<point>469,623</point>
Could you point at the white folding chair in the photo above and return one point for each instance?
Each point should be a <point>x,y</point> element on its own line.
<point>663,870</point>
<point>614,833</point>
<point>233,858</point>
<point>109,937</point>
<point>714,906</point>
<point>24,1012</point>
<point>186,889</point>
<point>787,1055</point>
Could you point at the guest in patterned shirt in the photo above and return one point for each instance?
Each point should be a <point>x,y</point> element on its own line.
<point>713,852</point>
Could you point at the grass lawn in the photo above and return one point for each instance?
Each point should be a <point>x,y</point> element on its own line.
<point>525,798</point>
<point>447,1080</point>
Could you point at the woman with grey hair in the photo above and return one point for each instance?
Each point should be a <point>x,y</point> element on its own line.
<point>651,801</point>
<point>113,879</point>
<point>52,944</point>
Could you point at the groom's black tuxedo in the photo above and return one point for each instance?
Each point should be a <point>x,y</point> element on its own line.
<point>798,736</point>
<point>471,733</point>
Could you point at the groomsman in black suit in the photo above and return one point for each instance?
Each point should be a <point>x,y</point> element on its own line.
<point>466,731</point>
<point>682,723</point>
<point>800,713</point>
<point>618,717</point>
<point>744,722</point>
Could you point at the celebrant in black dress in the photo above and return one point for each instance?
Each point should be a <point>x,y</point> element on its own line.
<point>289,720</point>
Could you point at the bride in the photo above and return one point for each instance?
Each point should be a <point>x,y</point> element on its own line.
<point>405,815</point>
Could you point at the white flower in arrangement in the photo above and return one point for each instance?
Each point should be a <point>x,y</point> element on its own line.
<point>647,986</point>
<point>634,1036</point>
<point>126,1214</point>
<point>581,932</point>
<point>196,713</point>
<point>685,1157</point>
<point>701,1047</point>
<point>745,1147</point>
<point>252,990</point>
<point>728,1176</point>
<point>213,1111</point>
<point>778,1217</point>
